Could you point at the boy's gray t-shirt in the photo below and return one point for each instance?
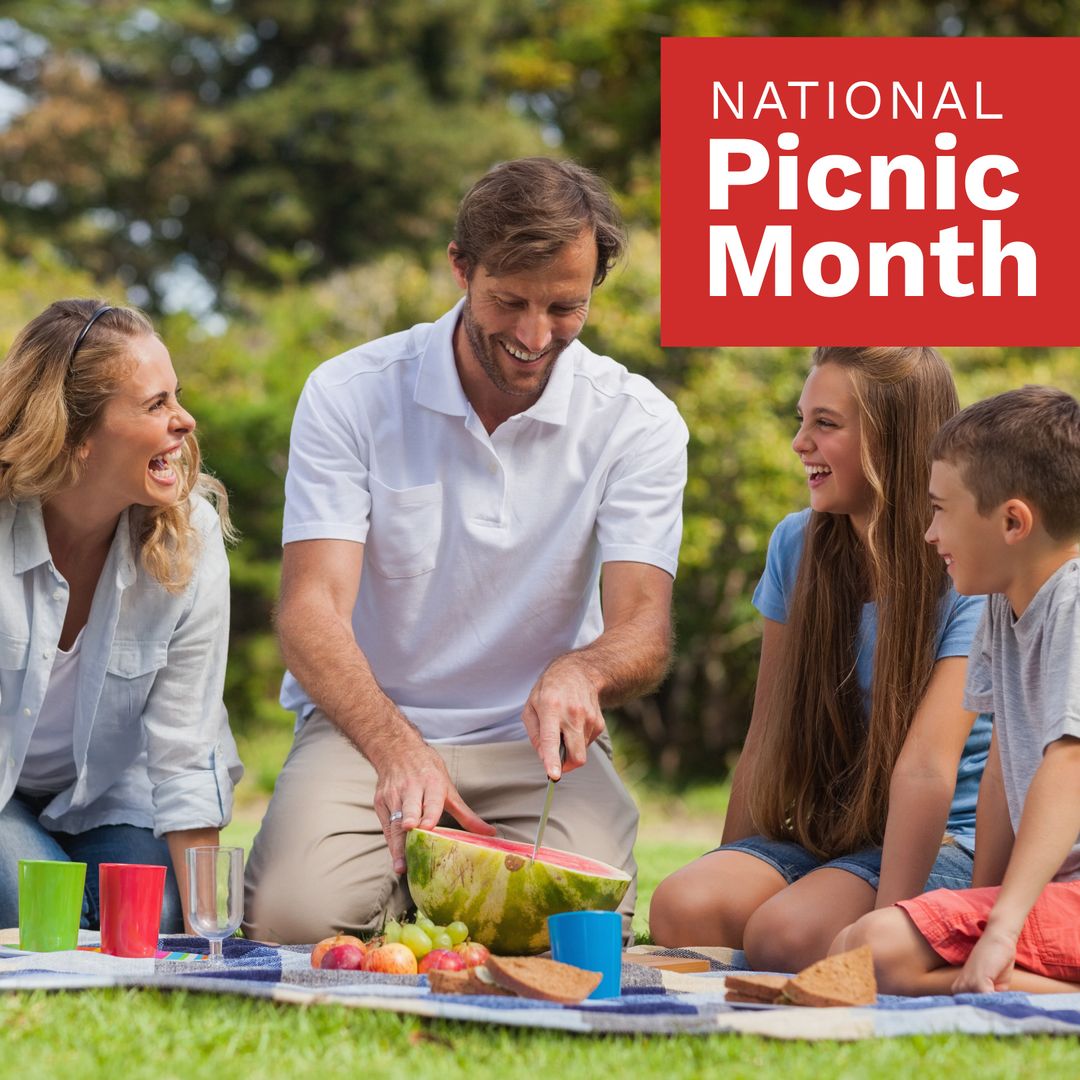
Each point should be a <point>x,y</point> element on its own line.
<point>1026,672</point>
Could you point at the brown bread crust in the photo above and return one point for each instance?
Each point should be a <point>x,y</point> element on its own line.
<point>844,979</point>
<point>763,988</point>
<point>543,980</point>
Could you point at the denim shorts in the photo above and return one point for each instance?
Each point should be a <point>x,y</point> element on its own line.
<point>951,870</point>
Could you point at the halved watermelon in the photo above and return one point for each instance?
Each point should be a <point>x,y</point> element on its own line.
<point>495,888</point>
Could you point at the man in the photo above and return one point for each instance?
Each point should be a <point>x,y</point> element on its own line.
<point>453,491</point>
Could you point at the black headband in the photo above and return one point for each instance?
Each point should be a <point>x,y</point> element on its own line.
<point>82,333</point>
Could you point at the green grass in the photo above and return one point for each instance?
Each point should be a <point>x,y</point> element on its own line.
<point>143,1034</point>
<point>96,1034</point>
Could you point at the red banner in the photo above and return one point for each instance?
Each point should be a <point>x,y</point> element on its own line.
<point>869,189</point>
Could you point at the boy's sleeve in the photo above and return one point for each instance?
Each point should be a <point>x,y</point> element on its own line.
<point>1061,671</point>
<point>979,688</point>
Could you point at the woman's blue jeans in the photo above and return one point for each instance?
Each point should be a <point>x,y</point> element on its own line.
<point>22,836</point>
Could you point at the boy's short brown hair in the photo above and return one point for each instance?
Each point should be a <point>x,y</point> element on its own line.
<point>1021,444</point>
<point>523,212</point>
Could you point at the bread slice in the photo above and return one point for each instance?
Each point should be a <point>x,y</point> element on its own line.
<point>464,982</point>
<point>764,989</point>
<point>844,979</point>
<point>544,980</point>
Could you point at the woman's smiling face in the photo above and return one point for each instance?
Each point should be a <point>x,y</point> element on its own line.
<point>131,456</point>
<point>828,443</point>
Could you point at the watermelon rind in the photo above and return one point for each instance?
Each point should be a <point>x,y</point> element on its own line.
<point>501,896</point>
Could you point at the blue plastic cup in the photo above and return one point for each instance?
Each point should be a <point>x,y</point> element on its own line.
<point>591,940</point>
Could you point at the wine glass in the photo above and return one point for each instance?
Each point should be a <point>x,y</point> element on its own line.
<point>215,894</point>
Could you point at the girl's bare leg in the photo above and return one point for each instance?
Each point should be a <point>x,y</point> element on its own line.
<point>709,901</point>
<point>796,927</point>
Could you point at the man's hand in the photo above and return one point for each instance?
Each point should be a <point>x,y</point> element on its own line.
<point>564,703</point>
<point>628,659</point>
<point>990,965</point>
<point>413,783</point>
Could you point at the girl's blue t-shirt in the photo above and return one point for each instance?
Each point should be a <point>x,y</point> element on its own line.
<point>960,617</point>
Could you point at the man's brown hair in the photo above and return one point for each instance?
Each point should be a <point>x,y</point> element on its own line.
<point>1022,444</point>
<point>522,213</point>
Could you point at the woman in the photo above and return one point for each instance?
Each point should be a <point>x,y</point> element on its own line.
<point>860,755</point>
<point>114,608</point>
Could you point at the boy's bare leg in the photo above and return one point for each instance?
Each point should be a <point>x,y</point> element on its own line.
<point>905,964</point>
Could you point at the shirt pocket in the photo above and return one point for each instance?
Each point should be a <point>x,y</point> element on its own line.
<point>14,656</point>
<point>131,670</point>
<point>405,529</point>
<point>13,652</point>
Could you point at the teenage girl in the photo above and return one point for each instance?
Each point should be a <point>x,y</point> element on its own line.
<point>858,779</point>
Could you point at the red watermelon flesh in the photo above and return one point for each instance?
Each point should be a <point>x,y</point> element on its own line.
<point>544,854</point>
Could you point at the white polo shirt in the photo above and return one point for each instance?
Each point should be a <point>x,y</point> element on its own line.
<point>482,553</point>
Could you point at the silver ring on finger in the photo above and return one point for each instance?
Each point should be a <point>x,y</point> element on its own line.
<point>396,816</point>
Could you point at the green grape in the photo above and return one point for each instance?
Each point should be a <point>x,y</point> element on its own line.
<point>425,923</point>
<point>415,940</point>
<point>441,939</point>
<point>458,932</point>
<point>392,931</point>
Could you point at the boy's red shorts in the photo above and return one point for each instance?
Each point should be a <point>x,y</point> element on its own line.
<point>953,920</point>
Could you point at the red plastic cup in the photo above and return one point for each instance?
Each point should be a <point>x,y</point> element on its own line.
<point>131,896</point>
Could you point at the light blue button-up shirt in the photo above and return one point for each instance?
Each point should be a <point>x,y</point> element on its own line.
<point>151,740</point>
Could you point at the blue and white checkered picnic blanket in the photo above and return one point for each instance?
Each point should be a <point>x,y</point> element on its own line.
<point>652,1001</point>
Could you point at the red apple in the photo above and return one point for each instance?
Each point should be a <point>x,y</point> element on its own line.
<point>473,953</point>
<point>327,944</point>
<point>343,958</point>
<point>392,959</point>
<point>442,960</point>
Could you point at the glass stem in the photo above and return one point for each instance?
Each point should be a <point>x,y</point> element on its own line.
<point>215,948</point>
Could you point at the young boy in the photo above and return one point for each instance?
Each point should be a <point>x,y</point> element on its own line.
<point>1005,489</point>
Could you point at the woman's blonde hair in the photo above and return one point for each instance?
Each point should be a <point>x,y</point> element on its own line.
<point>52,396</point>
<point>823,772</point>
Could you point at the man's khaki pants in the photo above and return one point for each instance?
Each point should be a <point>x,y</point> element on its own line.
<point>320,863</point>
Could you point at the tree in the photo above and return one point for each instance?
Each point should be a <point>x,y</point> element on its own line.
<point>261,141</point>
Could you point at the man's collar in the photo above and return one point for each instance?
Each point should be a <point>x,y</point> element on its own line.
<point>553,407</point>
<point>438,386</point>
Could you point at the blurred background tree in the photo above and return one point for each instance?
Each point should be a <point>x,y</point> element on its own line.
<point>276,179</point>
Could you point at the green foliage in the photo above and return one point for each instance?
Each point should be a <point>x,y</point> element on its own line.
<point>743,478</point>
<point>307,157</point>
<point>264,141</point>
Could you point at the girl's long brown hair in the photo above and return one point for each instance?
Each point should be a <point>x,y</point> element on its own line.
<point>50,402</point>
<point>822,773</point>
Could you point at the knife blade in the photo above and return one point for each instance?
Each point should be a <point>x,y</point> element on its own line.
<point>547,805</point>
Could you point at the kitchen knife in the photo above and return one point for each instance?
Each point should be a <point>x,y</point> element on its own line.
<point>547,805</point>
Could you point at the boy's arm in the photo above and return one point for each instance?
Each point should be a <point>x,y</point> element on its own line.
<point>1048,830</point>
<point>923,783</point>
<point>993,826</point>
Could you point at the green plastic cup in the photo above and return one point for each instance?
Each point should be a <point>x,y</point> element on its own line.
<point>50,904</point>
